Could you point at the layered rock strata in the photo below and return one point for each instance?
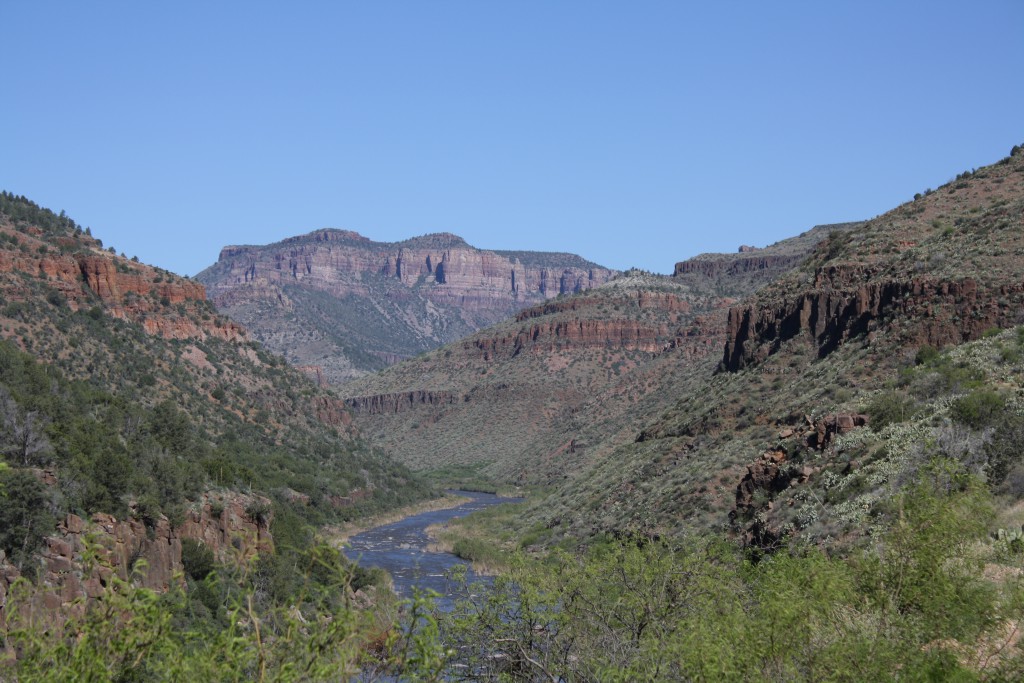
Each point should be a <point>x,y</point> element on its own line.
<point>846,302</point>
<point>128,290</point>
<point>339,301</point>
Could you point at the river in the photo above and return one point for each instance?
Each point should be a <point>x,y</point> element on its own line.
<point>401,548</point>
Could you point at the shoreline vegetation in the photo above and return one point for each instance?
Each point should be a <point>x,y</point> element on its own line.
<point>485,538</point>
<point>444,538</point>
<point>340,533</point>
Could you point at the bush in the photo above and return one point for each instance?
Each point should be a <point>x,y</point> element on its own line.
<point>258,512</point>
<point>1005,453</point>
<point>978,409</point>
<point>890,407</point>
<point>197,559</point>
<point>925,355</point>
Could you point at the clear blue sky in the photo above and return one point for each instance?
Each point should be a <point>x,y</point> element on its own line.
<point>633,133</point>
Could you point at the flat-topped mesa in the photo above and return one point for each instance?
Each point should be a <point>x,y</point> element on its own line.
<point>327,259</point>
<point>386,300</point>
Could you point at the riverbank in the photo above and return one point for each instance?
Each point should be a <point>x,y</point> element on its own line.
<point>340,533</point>
<point>486,539</point>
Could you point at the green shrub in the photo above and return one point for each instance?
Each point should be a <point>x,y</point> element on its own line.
<point>258,512</point>
<point>197,559</point>
<point>925,355</point>
<point>978,409</point>
<point>889,407</point>
<point>25,519</point>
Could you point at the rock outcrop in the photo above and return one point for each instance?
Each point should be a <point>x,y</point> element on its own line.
<point>399,402</point>
<point>77,563</point>
<point>939,270</point>
<point>847,301</point>
<point>774,473</point>
<point>760,261</point>
<point>713,268</point>
<point>126,289</point>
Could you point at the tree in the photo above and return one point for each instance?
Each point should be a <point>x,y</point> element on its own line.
<point>25,519</point>
<point>24,435</point>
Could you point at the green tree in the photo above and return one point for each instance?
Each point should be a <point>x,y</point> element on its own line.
<point>25,518</point>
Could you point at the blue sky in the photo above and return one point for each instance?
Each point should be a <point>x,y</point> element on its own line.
<point>634,134</point>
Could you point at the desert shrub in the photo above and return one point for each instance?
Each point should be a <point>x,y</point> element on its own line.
<point>258,512</point>
<point>889,407</point>
<point>1005,454</point>
<point>926,354</point>
<point>978,409</point>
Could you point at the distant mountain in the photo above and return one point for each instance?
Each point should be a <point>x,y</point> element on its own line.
<point>340,305</point>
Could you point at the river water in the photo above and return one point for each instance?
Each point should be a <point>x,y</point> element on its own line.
<point>401,548</point>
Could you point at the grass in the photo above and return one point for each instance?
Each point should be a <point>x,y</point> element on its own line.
<point>487,538</point>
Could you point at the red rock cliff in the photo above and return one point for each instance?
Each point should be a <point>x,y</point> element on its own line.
<point>67,581</point>
<point>849,301</point>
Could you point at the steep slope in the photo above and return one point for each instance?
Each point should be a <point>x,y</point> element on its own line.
<point>539,397</point>
<point>131,409</point>
<point>946,267</point>
<point>341,305</point>
<point>829,395</point>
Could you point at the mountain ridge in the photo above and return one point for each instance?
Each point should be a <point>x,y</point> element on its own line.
<point>343,305</point>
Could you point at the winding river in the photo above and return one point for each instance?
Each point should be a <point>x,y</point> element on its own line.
<point>401,548</point>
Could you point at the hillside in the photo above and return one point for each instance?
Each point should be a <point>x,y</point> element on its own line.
<point>128,402</point>
<point>340,305</point>
<point>829,394</point>
<point>559,383</point>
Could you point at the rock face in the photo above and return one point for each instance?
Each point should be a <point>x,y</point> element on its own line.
<point>339,301</point>
<point>735,266</point>
<point>847,302</point>
<point>940,270</point>
<point>128,290</point>
<point>567,376</point>
<point>773,473</point>
<point>400,401</point>
<point>67,580</point>
<point>749,264</point>
<point>551,384</point>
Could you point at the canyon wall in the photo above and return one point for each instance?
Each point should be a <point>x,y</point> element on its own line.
<point>848,301</point>
<point>338,301</point>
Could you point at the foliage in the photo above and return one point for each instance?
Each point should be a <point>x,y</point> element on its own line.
<point>638,609</point>
<point>978,409</point>
<point>25,517</point>
<point>889,407</point>
<point>197,559</point>
<point>134,634</point>
<point>23,211</point>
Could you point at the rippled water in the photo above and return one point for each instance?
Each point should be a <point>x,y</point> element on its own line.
<point>401,547</point>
